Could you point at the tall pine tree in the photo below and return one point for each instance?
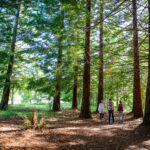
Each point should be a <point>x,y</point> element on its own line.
<point>100,85</point>
<point>146,120</point>
<point>137,102</point>
<point>85,108</point>
<point>6,90</point>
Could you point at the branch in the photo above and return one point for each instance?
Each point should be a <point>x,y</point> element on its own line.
<point>112,12</point>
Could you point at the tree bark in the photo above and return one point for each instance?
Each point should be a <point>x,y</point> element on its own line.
<point>146,120</point>
<point>100,85</point>
<point>12,95</point>
<point>6,90</point>
<point>56,103</point>
<point>137,102</point>
<point>75,88</point>
<point>85,108</point>
<point>75,85</point>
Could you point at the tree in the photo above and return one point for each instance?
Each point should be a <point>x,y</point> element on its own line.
<point>85,108</point>
<point>6,90</point>
<point>75,86</point>
<point>46,45</point>
<point>146,120</point>
<point>56,102</point>
<point>137,102</point>
<point>100,85</point>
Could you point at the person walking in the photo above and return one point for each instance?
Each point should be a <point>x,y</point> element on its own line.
<point>101,109</point>
<point>110,108</point>
<point>120,112</point>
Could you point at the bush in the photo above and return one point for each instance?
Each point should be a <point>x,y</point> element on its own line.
<point>33,121</point>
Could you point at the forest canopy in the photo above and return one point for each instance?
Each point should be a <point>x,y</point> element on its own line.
<point>74,51</point>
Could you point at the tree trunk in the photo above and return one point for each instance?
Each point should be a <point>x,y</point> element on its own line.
<point>100,85</point>
<point>12,95</point>
<point>75,88</point>
<point>79,99</point>
<point>146,120</point>
<point>137,102</point>
<point>56,103</point>
<point>117,99</point>
<point>6,90</point>
<point>85,108</point>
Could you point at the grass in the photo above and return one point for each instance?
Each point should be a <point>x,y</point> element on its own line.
<point>18,110</point>
<point>26,110</point>
<point>30,106</point>
<point>5,114</point>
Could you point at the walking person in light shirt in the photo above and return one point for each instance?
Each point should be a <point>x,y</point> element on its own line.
<point>101,109</point>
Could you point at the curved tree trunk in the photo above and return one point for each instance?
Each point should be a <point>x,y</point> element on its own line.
<point>6,90</point>
<point>100,85</point>
<point>85,108</point>
<point>137,102</point>
<point>146,120</point>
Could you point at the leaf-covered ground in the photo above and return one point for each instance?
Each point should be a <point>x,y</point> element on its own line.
<point>68,132</point>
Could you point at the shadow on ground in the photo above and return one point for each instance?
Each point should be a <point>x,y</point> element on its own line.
<point>71,133</point>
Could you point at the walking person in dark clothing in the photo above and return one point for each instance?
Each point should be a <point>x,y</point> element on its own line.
<point>110,107</point>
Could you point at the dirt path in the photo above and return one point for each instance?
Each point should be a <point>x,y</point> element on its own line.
<point>71,133</point>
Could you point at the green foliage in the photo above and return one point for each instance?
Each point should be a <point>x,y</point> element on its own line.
<point>26,110</point>
<point>38,41</point>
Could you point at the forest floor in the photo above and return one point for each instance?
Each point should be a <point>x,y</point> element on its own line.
<point>68,132</point>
